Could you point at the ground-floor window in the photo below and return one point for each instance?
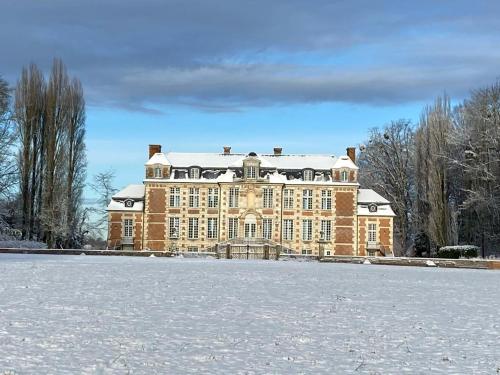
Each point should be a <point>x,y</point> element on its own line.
<point>193,228</point>
<point>306,252</point>
<point>233,228</point>
<point>128,228</point>
<point>192,249</point>
<point>372,232</point>
<point>212,227</point>
<point>307,226</point>
<point>174,227</point>
<point>326,228</point>
<point>267,228</point>
<point>288,229</point>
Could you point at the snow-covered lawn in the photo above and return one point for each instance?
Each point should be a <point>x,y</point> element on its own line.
<point>82,314</point>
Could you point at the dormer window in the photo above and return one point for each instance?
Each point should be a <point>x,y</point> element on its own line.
<point>308,175</point>
<point>194,173</point>
<point>129,203</point>
<point>344,176</point>
<point>158,172</point>
<point>251,166</point>
<point>251,171</point>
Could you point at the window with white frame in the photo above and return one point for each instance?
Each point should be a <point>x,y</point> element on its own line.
<point>267,228</point>
<point>307,226</point>
<point>193,228</point>
<point>158,172</point>
<point>344,176</point>
<point>234,195</point>
<point>128,228</point>
<point>372,232</point>
<point>267,198</point>
<point>233,228</point>
<point>288,199</point>
<point>194,173</point>
<point>173,227</point>
<point>194,197</point>
<point>251,171</point>
<point>307,199</point>
<point>326,199</point>
<point>212,227</point>
<point>213,197</point>
<point>175,197</point>
<point>288,229</point>
<point>308,175</point>
<point>326,228</point>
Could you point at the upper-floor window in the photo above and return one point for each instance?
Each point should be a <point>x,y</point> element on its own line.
<point>326,199</point>
<point>267,199</point>
<point>308,175</point>
<point>194,197</point>
<point>251,171</point>
<point>175,197</point>
<point>288,199</point>
<point>213,197</point>
<point>158,172</point>
<point>344,176</point>
<point>234,195</point>
<point>307,199</point>
<point>194,173</point>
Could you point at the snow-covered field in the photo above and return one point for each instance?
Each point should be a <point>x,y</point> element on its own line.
<point>82,314</point>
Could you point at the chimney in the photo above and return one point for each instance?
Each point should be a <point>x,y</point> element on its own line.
<point>227,150</point>
<point>153,149</point>
<point>351,152</point>
<point>277,151</point>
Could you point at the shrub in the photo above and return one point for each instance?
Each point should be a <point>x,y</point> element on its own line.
<point>456,252</point>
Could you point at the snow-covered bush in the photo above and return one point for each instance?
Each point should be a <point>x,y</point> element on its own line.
<point>456,252</point>
<point>19,244</point>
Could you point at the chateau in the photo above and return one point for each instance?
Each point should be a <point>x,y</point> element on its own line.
<point>306,204</point>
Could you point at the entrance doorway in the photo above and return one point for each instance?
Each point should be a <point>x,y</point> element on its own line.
<point>250,227</point>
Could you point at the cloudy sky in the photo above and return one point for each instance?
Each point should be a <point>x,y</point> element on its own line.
<point>310,76</point>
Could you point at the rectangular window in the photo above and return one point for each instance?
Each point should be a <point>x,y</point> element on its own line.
<point>157,172</point>
<point>174,227</point>
<point>307,199</point>
<point>192,249</point>
<point>267,228</point>
<point>175,197</point>
<point>372,232</point>
<point>251,171</point>
<point>128,228</point>
<point>326,199</point>
<point>213,197</point>
<point>267,198</point>
<point>288,199</point>
<point>307,226</point>
<point>194,173</point>
<point>234,195</point>
<point>212,227</point>
<point>306,252</point>
<point>326,228</point>
<point>193,228</point>
<point>308,175</point>
<point>194,197</point>
<point>344,176</point>
<point>233,228</point>
<point>288,229</point>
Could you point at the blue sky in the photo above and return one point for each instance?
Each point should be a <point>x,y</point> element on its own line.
<point>311,77</point>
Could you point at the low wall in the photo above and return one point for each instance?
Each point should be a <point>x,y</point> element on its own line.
<point>142,253</point>
<point>417,262</point>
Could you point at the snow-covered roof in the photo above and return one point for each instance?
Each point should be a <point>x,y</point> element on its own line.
<point>344,162</point>
<point>120,206</point>
<point>133,191</point>
<point>370,196</point>
<point>158,158</point>
<point>383,210</point>
<point>223,161</point>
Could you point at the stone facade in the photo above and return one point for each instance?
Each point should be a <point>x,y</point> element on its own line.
<point>193,202</point>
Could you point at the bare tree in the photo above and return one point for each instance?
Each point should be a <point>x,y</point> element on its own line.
<point>102,186</point>
<point>8,169</point>
<point>386,165</point>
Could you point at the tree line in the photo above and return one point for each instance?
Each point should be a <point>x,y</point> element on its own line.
<point>43,157</point>
<point>442,174</point>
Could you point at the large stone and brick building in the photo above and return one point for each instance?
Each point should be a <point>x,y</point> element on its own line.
<point>307,204</point>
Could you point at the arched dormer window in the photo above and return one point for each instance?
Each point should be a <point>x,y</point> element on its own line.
<point>194,173</point>
<point>308,175</point>
<point>158,172</point>
<point>344,176</point>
